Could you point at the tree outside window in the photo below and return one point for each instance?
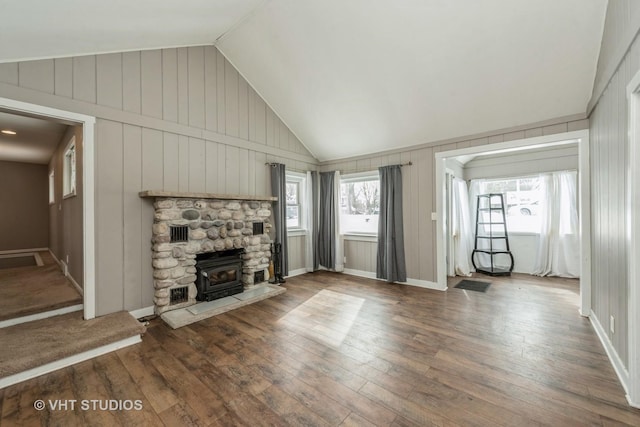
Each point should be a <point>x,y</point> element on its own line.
<point>360,203</point>
<point>293,204</point>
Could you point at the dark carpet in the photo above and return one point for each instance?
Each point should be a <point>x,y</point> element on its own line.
<point>473,285</point>
<point>18,261</point>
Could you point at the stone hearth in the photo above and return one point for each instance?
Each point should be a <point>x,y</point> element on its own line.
<point>203,223</point>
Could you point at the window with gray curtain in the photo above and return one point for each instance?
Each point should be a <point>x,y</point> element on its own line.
<point>312,261</point>
<point>278,189</point>
<point>390,262</point>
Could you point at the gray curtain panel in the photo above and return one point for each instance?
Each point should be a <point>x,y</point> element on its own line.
<point>390,264</point>
<point>327,222</point>
<point>314,210</point>
<point>278,189</point>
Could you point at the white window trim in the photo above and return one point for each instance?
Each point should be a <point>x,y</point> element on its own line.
<point>52,187</point>
<point>361,236</point>
<point>70,145</point>
<point>359,176</point>
<point>300,179</point>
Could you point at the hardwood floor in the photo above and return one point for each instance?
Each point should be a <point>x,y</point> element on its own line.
<point>30,290</point>
<point>341,350</point>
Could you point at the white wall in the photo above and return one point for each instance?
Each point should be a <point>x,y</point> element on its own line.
<point>619,62</point>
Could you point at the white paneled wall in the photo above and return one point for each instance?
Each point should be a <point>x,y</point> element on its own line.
<point>171,119</point>
<point>297,251</point>
<point>609,166</point>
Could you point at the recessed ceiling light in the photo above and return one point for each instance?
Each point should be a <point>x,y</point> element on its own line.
<point>8,132</point>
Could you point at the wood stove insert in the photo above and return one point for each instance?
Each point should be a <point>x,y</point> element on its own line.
<point>219,274</point>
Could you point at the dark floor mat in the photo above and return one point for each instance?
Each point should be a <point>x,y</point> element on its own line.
<point>473,285</point>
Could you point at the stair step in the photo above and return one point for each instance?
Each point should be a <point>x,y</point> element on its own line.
<point>28,346</point>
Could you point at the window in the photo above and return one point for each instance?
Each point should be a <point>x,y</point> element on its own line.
<point>52,188</point>
<point>359,203</point>
<point>69,170</point>
<point>522,197</point>
<point>295,198</point>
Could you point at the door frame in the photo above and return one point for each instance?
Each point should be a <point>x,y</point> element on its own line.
<point>580,137</point>
<point>88,181</point>
<point>633,241</point>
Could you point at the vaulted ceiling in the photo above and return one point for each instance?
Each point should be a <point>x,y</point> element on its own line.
<point>353,77</point>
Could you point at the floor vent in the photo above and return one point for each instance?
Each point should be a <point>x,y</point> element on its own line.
<point>179,295</point>
<point>179,233</point>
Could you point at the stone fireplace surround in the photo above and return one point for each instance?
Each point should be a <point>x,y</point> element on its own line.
<point>216,222</point>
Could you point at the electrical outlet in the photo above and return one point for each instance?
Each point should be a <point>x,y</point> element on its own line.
<point>612,324</point>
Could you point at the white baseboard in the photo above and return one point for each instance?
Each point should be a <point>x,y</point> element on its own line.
<point>411,282</point>
<point>360,273</point>
<point>424,284</point>
<point>297,272</point>
<point>142,312</point>
<point>36,256</point>
<point>67,361</point>
<point>616,362</point>
<point>55,258</point>
<point>20,251</point>
<point>65,271</point>
<point>38,316</point>
<point>74,283</point>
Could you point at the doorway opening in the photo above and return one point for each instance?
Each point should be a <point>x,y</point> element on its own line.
<point>445,170</point>
<point>68,185</point>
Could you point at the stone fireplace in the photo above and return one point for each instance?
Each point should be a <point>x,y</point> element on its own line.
<point>190,230</point>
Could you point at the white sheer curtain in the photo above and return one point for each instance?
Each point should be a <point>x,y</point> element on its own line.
<point>559,245</point>
<point>310,204</point>
<point>476,188</point>
<point>461,228</point>
<point>339,237</point>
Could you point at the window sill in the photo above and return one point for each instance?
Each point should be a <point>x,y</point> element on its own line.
<point>361,237</point>
<point>523,233</point>
<point>295,232</point>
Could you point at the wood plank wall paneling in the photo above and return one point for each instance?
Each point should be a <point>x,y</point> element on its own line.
<point>519,164</point>
<point>620,28</point>
<point>109,80</point>
<point>131,85</point>
<point>609,166</point>
<point>132,206</point>
<point>63,70</point>
<point>296,245</point>
<point>37,75</point>
<point>170,119</point>
<point>109,218</point>
<point>419,196</point>
<point>84,78</point>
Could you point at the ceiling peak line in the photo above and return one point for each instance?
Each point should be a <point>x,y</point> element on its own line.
<point>240,22</point>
